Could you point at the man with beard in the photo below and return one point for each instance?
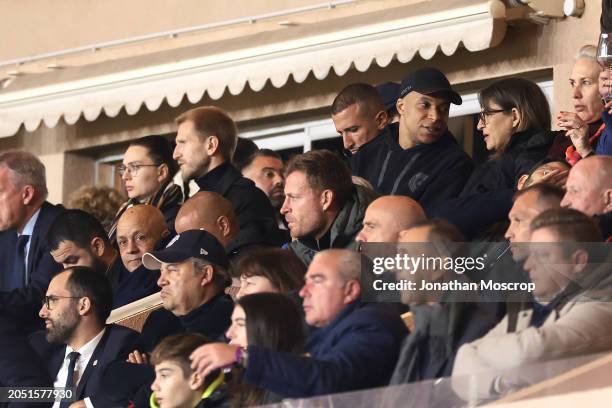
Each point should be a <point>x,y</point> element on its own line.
<point>76,238</point>
<point>77,345</point>
<point>359,115</point>
<point>205,143</point>
<point>265,168</point>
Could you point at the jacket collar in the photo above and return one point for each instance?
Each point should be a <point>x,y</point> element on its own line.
<point>220,179</point>
<point>529,139</point>
<point>347,223</point>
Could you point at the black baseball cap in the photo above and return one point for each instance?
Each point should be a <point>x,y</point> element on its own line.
<point>427,81</point>
<point>389,92</point>
<point>189,244</point>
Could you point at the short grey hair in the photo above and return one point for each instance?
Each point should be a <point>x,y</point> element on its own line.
<point>220,275</point>
<point>588,51</point>
<point>348,263</point>
<point>26,169</point>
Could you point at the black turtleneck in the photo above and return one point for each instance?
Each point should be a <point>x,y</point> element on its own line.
<point>210,319</point>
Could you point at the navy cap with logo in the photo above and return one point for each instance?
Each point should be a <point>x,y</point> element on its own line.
<point>389,92</point>
<point>189,244</point>
<point>428,81</point>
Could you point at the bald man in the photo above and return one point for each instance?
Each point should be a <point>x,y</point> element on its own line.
<point>589,186</point>
<point>211,212</point>
<point>140,229</point>
<point>386,216</point>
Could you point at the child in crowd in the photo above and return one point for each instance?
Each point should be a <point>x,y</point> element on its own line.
<point>176,385</point>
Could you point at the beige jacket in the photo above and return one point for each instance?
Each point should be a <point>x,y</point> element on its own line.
<point>582,326</point>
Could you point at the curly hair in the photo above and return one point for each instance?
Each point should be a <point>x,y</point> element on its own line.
<point>100,201</point>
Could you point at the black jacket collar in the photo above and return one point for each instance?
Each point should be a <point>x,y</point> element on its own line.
<point>220,179</point>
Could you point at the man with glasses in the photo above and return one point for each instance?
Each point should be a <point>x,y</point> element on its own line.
<point>419,158</point>
<point>77,345</point>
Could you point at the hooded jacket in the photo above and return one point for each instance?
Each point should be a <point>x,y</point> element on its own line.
<point>343,230</point>
<point>428,173</point>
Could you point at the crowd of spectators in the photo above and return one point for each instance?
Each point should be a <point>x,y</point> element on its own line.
<point>259,272</point>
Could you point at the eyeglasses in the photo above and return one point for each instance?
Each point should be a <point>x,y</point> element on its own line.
<point>482,115</point>
<point>49,300</point>
<point>132,168</point>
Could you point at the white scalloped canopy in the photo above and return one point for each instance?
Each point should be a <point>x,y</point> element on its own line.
<point>358,41</point>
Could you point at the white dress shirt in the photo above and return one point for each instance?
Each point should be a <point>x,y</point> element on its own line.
<point>85,355</point>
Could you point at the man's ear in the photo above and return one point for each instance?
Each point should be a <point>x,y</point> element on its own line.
<point>196,381</point>
<point>97,246</point>
<point>521,181</point>
<point>327,199</point>
<point>381,119</point>
<point>224,225</point>
<point>352,291</point>
<point>400,106</point>
<point>85,306</point>
<point>27,194</point>
<point>607,199</point>
<point>207,275</point>
<point>580,259</point>
<point>212,145</point>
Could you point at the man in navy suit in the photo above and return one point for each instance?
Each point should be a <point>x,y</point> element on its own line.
<point>25,217</point>
<point>77,238</point>
<point>77,344</point>
<point>354,347</point>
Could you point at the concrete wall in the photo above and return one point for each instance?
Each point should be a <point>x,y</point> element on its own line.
<point>39,26</point>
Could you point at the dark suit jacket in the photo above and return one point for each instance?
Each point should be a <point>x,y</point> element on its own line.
<point>115,344</point>
<point>19,365</point>
<point>25,302</point>
<point>252,207</point>
<point>357,350</point>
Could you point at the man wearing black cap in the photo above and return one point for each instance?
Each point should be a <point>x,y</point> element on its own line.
<point>193,276</point>
<point>389,92</point>
<point>419,157</point>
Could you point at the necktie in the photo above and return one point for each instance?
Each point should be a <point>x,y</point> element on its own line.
<point>16,277</point>
<point>72,357</point>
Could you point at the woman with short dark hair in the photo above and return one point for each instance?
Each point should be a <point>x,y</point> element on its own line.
<point>515,122</point>
<point>270,270</point>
